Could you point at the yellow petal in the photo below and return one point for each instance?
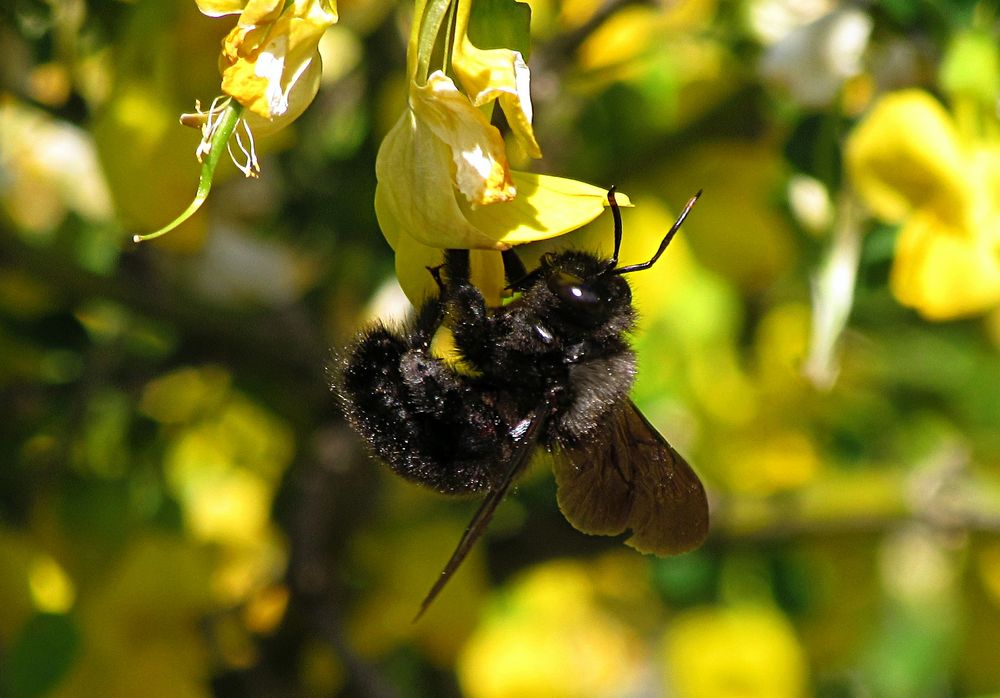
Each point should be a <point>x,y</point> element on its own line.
<point>415,196</point>
<point>498,74</point>
<point>477,149</point>
<point>545,207</point>
<point>945,272</point>
<point>219,8</point>
<point>622,38</point>
<point>906,154</point>
<point>414,258</point>
<point>413,261</point>
<point>707,652</point>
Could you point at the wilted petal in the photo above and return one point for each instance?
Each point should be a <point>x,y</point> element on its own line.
<point>906,154</point>
<point>415,195</point>
<point>272,98</point>
<point>272,64</point>
<point>477,149</point>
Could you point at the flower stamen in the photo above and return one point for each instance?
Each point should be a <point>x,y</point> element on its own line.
<point>249,166</point>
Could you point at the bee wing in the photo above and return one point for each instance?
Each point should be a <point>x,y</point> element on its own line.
<point>629,477</point>
<point>526,437</point>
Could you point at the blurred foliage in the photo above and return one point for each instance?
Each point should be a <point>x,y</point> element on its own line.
<point>183,512</point>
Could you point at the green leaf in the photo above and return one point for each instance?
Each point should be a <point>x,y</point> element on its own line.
<point>501,24</point>
<point>40,656</point>
<point>971,67</point>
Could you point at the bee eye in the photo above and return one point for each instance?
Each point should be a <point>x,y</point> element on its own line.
<point>573,290</point>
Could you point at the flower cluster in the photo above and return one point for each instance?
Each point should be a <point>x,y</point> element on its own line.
<point>444,180</point>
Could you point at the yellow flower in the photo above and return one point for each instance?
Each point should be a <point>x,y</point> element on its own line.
<point>271,70</point>
<point>552,636</point>
<point>270,61</point>
<point>440,144</point>
<point>222,468</point>
<point>743,651</point>
<point>913,164</point>
<point>443,176</point>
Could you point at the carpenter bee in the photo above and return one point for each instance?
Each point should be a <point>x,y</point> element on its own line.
<point>552,369</point>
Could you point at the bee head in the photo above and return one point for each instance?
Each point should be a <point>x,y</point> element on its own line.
<point>585,290</point>
<point>581,288</point>
<point>576,282</point>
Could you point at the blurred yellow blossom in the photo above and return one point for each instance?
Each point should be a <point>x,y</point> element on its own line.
<point>51,588</point>
<point>906,154</point>
<point>141,625</point>
<point>50,169</point>
<point>765,463</point>
<point>223,467</point>
<point>551,637</point>
<point>780,346</point>
<point>633,32</point>
<point>988,567</point>
<point>913,163</point>
<point>667,54</point>
<point>444,180</point>
<point>743,652</point>
<point>740,236</point>
<point>400,563</point>
<point>19,567</point>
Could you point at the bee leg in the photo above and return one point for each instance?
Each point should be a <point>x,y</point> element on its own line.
<point>471,325</point>
<point>436,274</point>
<point>456,266</point>
<point>513,267</point>
<point>464,309</point>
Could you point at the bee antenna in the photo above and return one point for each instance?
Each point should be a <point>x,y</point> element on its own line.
<point>663,245</point>
<point>613,262</point>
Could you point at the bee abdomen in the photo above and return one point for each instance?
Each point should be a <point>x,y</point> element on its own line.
<point>420,417</point>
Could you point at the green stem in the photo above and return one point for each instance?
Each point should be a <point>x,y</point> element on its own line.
<point>433,15</point>
<point>220,137</point>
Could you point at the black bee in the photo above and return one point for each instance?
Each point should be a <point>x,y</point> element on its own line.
<point>552,369</point>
